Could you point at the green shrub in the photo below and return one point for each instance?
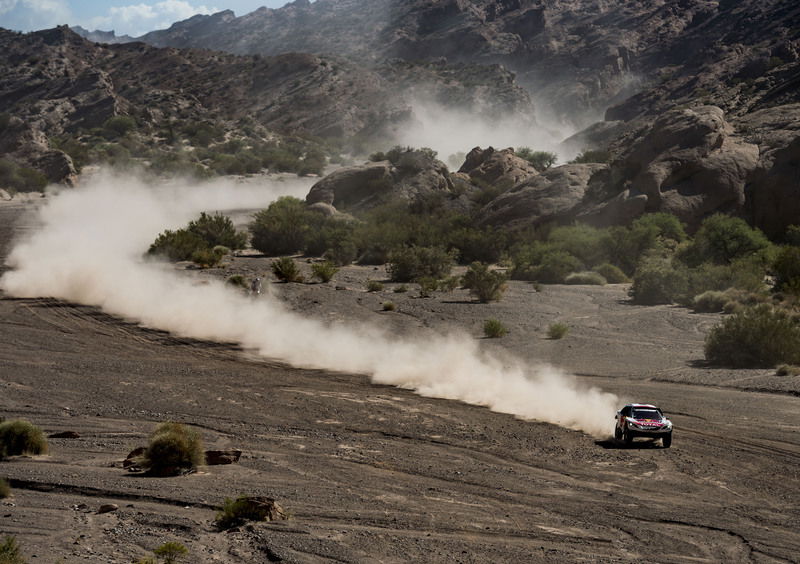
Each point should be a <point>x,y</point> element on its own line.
<point>118,126</point>
<point>585,278</point>
<point>237,280</point>
<point>792,237</point>
<point>787,269</point>
<point>583,242</point>
<point>171,552</point>
<point>722,239</point>
<point>283,227</point>
<point>173,449</point>
<point>557,331</point>
<point>21,179</point>
<point>758,336</point>
<point>21,437</point>
<point>612,274</point>
<point>388,306</point>
<point>374,286</point>
<point>427,286</point>
<point>204,240</point>
<point>324,271</point>
<point>555,267</point>
<point>788,370</point>
<point>10,552</point>
<point>711,301</point>
<point>659,281</point>
<point>485,284</point>
<point>402,288</point>
<point>207,258</point>
<point>449,284</point>
<point>541,160</point>
<point>5,489</point>
<point>217,230</point>
<point>285,270</point>
<point>176,245</point>
<point>411,263</point>
<point>494,329</point>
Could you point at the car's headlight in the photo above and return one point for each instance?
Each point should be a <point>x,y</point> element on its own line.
<point>668,423</point>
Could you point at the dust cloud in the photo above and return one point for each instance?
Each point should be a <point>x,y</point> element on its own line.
<point>450,130</point>
<point>89,250</point>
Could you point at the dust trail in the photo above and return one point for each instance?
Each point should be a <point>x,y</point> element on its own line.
<point>89,250</point>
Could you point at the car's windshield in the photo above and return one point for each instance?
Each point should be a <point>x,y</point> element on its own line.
<point>646,414</point>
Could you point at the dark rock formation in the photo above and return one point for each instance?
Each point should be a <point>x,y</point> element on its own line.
<point>774,192</point>
<point>501,167</point>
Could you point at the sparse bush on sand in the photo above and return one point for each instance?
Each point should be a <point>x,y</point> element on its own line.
<point>557,331</point>
<point>237,280</point>
<point>788,370</point>
<point>285,270</point>
<point>21,437</point>
<point>711,301</point>
<point>10,552</point>
<point>758,336</point>
<point>612,274</point>
<point>494,329</point>
<point>389,306</point>
<point>5,489</point>
<point>485,284</point>
<point>324,271</point>
<point>174,449</point>
<point>171,552</point>
<point>374,286</point>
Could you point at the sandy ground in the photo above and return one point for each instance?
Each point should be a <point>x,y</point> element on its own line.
<point>378,474</point>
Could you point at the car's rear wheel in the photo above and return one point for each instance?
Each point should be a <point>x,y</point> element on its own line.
<point>666,441</point>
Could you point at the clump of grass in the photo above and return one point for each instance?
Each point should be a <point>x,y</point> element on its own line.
<point>494,329</point>
<point>788,370</point>
<point>557,331</point>
<point>171,552</point>
<point>174,449</point>
<point>21,437</point>
<point>324,271</point>
<point>235,512</point>
<point>374,286</point>
<point>711,301</point>
<point>10,552</point>
<point>612,273</point>
<point>402,288</point>
<point>389,306</point>
<point>285,270</point>
<point>427,286</point>
<point>586,278</point>
<point>5,489</point>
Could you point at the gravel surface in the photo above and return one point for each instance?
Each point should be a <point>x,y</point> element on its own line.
<point>378,474</point>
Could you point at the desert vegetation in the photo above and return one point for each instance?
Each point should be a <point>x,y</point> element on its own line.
<point>5,489</point>
<point>557,331</point>
<point>204,241</point>
<point>10,551</point>
<point>173,449</point>
<point>494,329</point>
<point>21,437</point>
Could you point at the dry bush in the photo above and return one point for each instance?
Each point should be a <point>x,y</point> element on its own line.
<point>286,270</point>
<point>5,489</point>
<point>10,552</point>
<point>557,330</point>
<point>21,437</point>
<point>174,449</point>
<point>494,329</point>
<point>711,301</point>
<point>585,278</point>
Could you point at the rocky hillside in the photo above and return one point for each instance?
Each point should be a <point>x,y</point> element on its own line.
<point>55,82</point>
<point>580,56</point>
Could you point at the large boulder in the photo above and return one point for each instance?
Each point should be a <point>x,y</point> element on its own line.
<point>556,195</point>
<point>495,167</point>
<point>410,176</point>
<point>774,192</point>
<point>688,163</point>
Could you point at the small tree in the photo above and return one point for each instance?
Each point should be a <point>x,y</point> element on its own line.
<point>485,284</point>
<point>541,160</point>
<point>722,239</point>
<point>171,552</point>
<point>282,228</point>
<point>411,263</point>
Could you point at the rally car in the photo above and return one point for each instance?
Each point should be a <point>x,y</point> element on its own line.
<point>642,420</point>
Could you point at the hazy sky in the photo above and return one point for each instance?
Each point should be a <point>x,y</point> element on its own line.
<point>133,17</point>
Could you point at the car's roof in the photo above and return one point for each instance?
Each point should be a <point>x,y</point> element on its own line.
<point>641,405</point>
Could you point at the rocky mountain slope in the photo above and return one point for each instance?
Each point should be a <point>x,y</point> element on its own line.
<point>55,82</point>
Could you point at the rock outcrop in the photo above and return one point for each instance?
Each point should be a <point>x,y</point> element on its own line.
<point>412,176</point>
<point>491,166</point>
<point>555,195</point>
<point>774,192</point>
<point>688,163</point>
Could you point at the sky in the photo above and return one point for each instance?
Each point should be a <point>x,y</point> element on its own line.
<point>132,17</point>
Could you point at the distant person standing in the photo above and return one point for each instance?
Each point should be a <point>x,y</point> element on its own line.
<point>255,286</point>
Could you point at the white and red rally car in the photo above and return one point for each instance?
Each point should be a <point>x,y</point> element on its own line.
<point>642,420</point>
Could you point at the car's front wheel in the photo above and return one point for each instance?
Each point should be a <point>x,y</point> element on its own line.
<point>666,441</point>
<point>617,433</point>
<point>627,437</point>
